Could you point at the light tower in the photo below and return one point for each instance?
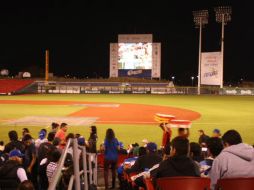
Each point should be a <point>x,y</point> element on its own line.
<point>200,19</point>
<point>223,16</point>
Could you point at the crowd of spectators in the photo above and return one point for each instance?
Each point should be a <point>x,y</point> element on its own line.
<point>29,163</point>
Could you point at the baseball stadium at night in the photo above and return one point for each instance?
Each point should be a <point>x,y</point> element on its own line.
<point>129,95</point>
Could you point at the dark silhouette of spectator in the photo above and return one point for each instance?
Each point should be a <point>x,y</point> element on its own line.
<point>46,147</point>
<point>14,143</point>
<point>179,164</point>
<point>214,146</point>
<point>92,140</point>
<point>182,132</point>
<point>111,147</point>
<point>202,138</point>
<point>30,158</point>
<point>54,127</point>
<point>195,152</point>
<point>12,172</point>
<point>25,131</point>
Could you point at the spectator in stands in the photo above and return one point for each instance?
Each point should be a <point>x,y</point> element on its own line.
<point>46,147</point>
<point>12,172</point>
<point>182,132</point>
<point>14,143</point>
<point>145,162</point>
<point>30,153</point>
<point>202,138</point>
<point>167,133</point>
<point>195,152</point>
<point>214,146</point>
<point>179,164</point>
<point>61,134</point>
<point>54,127</point>
<point>235,160</point>
<point>216,133</point>
<point>30,158</point>
<point>26,185</point>
<point>92,140</point>
<point>137,152</point>
<point>111,147</point>
<point>24,132</point>
<point>42,138</point>
<point>52,166</point>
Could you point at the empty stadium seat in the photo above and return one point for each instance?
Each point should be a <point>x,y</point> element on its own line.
<point>235,184</point>
<point>186,183</point>
<point>13,85</point>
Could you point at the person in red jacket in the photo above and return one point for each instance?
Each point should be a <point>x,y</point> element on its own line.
<point>167,133</point>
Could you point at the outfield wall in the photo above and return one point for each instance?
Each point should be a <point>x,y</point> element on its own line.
<point>144,89</point>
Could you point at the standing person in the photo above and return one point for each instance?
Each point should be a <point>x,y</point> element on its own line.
<point>12,172</point>
<point>61,134</point>
<point>30,158</point>
<point>25,131</point>
<point>54,127</point>
<point>111,147</point>
<point>52,166</point>
<point>14,143</point>
<point>216,133</point>
<point>41,139</point>
<point>167,133</point>
<point>92,141</point>
<point>202,138</point>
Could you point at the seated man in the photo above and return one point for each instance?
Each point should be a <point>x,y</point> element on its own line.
<point>144,163</point>
<point>179,163</point>
<point>235,160</point>
<point>214,146</point>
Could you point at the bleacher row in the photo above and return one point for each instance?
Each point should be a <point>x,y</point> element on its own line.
<point>13,85</point>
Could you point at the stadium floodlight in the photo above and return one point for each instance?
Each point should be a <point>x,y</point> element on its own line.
<point>223,16</point>
<point>200,20</point>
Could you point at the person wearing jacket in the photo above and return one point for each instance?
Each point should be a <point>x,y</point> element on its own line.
<point>179,163</point>
<point>235,160</point>
<point>12,172</point>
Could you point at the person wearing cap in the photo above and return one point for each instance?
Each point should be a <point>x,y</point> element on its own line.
<point>12,172</point>
<point>42,138</point>
<point>216,133</point>
<point>145,162</point>
<point>203,138</point>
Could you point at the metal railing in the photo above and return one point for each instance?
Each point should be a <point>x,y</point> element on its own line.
<point>88,169</point>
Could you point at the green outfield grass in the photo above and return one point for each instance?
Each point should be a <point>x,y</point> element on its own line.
<point>223,112</point>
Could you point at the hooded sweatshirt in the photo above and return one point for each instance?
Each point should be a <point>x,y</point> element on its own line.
<point>178,166</point>
<point>233,161</point>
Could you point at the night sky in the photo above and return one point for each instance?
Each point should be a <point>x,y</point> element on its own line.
<point>78,35</point>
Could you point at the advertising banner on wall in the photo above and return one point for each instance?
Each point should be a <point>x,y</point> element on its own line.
<point>156,59</point>
<point>211,68</point>
<point>113,60</point>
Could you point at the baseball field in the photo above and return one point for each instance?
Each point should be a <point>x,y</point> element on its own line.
<point>131,116</point>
